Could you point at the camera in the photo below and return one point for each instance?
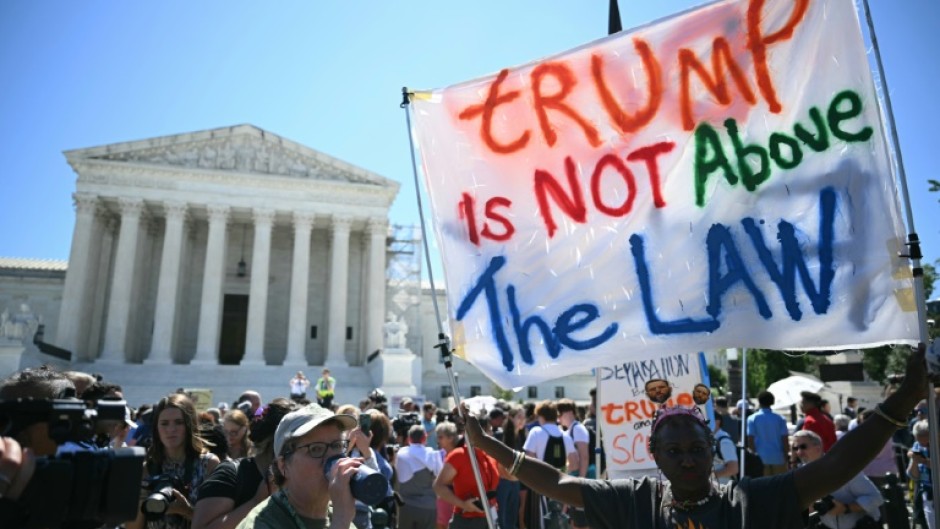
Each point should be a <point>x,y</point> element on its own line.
<point>895,379</point>
<point>161,494</point>
<point>404,421</point>
<point>824,505</point>
<point>68,419</point>
<point>377,396</point>
<point>80,487</point>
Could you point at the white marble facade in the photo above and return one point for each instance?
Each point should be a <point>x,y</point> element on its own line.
<point>162,225</point>
<point>153,297</point>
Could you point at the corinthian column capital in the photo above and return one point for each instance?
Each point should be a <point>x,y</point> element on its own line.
<point>218,212</point>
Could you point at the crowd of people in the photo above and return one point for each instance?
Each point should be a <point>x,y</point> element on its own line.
<point>291,462</point>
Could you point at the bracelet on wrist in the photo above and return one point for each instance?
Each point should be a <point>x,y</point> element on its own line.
<point>519,457</point>
<point>879,411</point>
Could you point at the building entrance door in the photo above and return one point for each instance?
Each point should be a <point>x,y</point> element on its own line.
<point>234,328</point>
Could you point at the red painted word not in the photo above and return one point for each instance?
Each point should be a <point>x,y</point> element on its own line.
<point>569,198</point>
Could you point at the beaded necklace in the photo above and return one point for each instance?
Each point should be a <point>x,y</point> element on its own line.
<point>687,505</point>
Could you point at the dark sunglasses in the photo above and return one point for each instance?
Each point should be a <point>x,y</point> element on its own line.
<point>800,447</point>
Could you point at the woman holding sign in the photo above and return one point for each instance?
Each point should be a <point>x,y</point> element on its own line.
<point>681,444</point>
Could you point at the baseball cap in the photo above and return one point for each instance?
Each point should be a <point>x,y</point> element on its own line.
<point>302,421</point>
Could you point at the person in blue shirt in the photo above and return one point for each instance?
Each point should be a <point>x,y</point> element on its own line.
<point>767,436</point>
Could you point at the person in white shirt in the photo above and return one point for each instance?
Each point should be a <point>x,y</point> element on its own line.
<point>416,467</point>
<point>567,417</point>
<point>547,443</point>
<point>298,386</point>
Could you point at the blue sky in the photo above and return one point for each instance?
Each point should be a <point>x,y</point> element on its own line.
<point>325,74</point>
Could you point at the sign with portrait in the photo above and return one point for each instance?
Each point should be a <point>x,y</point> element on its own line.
<point>631,392</point>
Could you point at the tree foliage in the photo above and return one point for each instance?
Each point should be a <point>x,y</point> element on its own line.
<point>718,380</point>
<point>880,362</point>
<point>503,394</point>
<point>766,366</point>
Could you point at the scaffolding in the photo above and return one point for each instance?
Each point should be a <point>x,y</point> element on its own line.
<point>403,274</point>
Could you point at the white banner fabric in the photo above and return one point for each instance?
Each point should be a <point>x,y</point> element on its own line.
<point>716,179</point>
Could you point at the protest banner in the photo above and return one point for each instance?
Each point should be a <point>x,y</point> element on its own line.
<point>625,410</point>
<point>716,179</point>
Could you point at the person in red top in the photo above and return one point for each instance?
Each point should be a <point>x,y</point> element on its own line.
<point>458,473</point>
<point>816,421</point>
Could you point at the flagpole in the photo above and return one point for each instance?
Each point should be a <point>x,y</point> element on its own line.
<point>443,341</point>
<point>913,241</point>
<point>614,25</point>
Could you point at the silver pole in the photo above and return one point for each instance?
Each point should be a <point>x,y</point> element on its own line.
<point>597,423</point>
<point>743,413</point>
<point>444,342</point>
<point>913,243</point>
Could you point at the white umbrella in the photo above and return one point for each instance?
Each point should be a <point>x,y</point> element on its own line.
<point>787,391</point>
<point>480,403</point>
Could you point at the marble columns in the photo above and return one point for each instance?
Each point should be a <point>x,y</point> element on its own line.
<point>119,306</point>
<point>210,310</point>
<point>339,276</point>
<point>161,347</point>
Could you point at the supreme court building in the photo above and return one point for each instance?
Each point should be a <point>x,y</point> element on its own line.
<point>229,259</point>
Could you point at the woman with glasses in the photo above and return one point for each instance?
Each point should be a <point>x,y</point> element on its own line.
<point>237,486</point>
<point>308,496</point>
<point>177,456</point>
<point>235,426</point>
<point>681,444</point>
<point>857,502</point>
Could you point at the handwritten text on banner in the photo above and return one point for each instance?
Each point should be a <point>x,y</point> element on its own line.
<point>716,179</point>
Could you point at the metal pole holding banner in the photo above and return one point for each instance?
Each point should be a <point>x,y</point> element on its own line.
<point>599,439</point>
<point>913,245</point>
<point>443,341</point>
<point>743,441</point>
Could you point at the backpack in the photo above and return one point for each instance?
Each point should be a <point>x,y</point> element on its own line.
<point>717,448</point>
<point>553,514</point>
<point>555,452</point>
<point>753,465</point>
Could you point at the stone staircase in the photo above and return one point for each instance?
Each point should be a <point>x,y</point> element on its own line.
<point>148,383</point>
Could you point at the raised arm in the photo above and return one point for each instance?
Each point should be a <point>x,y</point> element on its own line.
<point>858,447</point>
<point>537,475</point>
